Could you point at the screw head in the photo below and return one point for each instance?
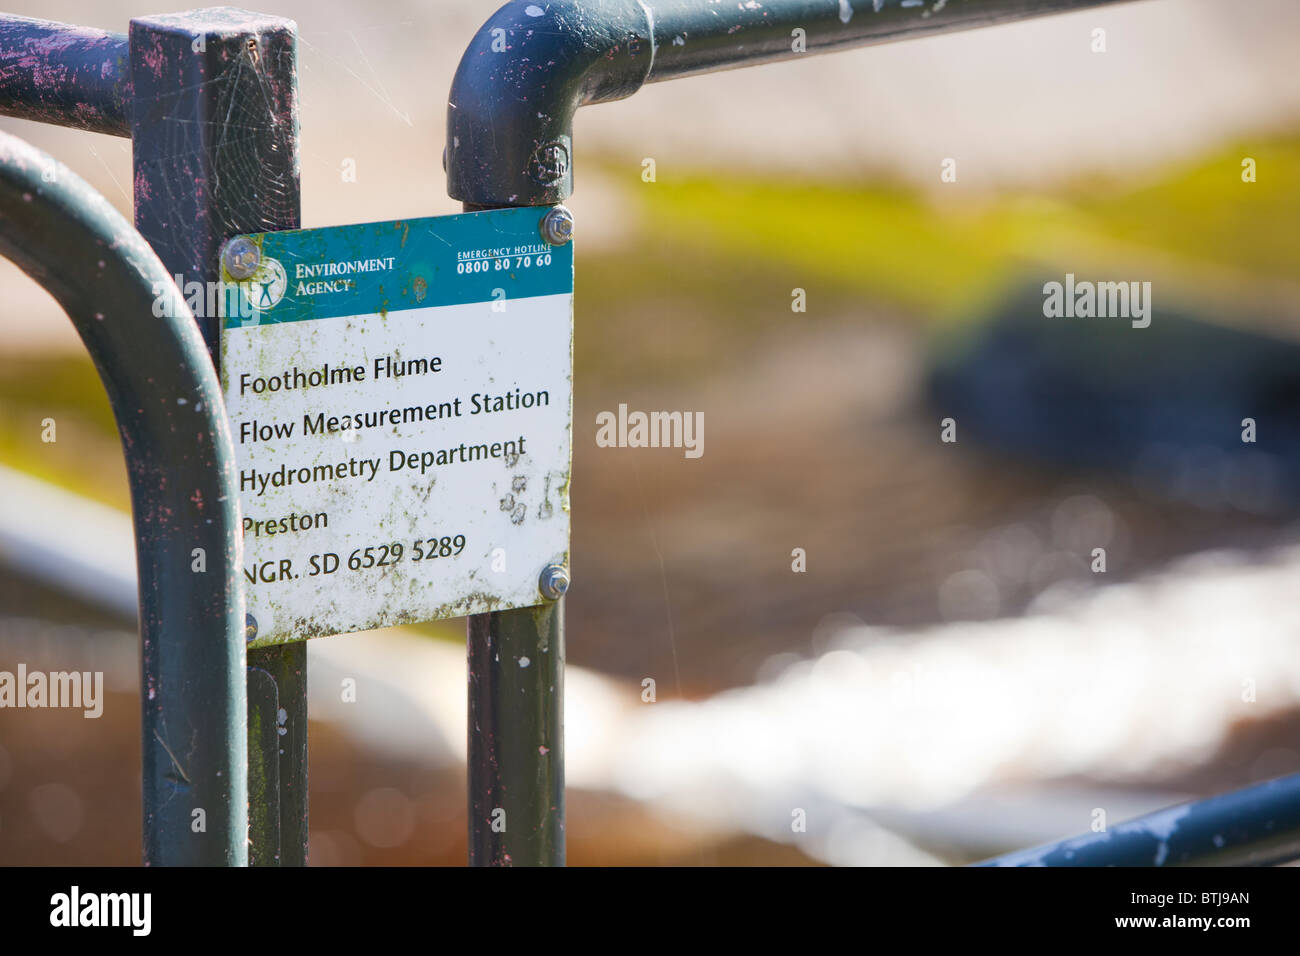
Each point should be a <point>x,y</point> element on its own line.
<point>557,226</point>
<point>241,257</point>
<point>554,582</point>
<point>250,627</point>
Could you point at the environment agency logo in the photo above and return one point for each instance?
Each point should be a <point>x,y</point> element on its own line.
<point>266,287</point>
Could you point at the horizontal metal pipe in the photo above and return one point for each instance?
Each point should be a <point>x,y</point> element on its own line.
<point>181,467</point>
<point>1256,826</point>
<point>691,37</point>
<point>529,68</point>
<point>62,74</point>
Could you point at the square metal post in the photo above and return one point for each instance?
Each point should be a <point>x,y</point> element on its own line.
<point>214,128</point>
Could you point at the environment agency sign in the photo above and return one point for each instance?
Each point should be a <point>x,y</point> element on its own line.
<point>400,399</point>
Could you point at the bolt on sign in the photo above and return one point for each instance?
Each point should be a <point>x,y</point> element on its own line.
<point>400,398</point>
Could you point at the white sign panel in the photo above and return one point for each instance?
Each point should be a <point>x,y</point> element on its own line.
<point>400,399</point>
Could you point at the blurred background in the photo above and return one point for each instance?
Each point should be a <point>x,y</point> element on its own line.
<point>952,676</point>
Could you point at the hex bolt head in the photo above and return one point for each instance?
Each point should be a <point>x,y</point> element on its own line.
<point>554,582</point>
<point>557,226</point>
<point>241,257</point>
<point>250,627</point>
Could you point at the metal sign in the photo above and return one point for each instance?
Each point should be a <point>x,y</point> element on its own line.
<point>400,399</point>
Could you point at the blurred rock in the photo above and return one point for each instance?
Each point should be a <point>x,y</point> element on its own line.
<point>1163,405</point>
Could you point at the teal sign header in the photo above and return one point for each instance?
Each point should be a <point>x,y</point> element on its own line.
<point>384,267</point>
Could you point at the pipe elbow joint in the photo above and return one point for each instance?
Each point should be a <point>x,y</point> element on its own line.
<point>519,84</point>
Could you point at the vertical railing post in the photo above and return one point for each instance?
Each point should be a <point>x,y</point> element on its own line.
<point>516,737</point>
<point>515,750</point>
<point>214,126</point>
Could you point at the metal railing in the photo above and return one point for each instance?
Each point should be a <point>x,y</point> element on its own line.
<point>183,497</point>
<point>510,143</point>
<point>1254,826</point>
<point>209,101</point>
<point>173,85</point>
<point>530,67</point>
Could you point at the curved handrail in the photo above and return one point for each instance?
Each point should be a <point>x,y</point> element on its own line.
<point>181,465</point>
